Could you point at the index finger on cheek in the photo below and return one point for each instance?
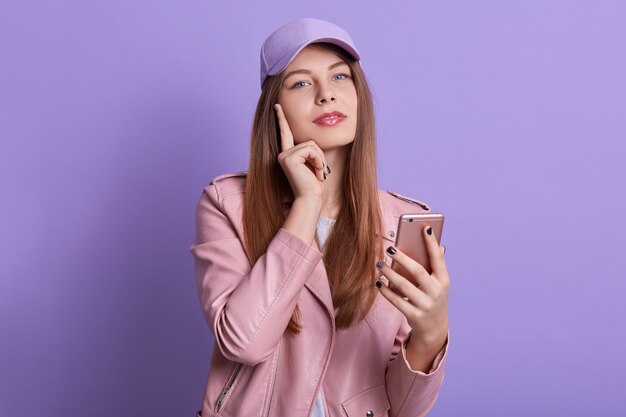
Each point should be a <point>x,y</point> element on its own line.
<point>286,137</point>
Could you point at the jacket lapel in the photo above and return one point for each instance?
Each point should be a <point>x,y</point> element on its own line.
<point>317,283</point>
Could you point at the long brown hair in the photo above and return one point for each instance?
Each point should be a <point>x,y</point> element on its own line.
<point>352,248</point>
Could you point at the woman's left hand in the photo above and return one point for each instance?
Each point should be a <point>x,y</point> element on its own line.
<point>426,306</point>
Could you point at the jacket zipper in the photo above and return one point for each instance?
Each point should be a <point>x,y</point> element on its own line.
<point>269,406</point>
<point>227,387</point>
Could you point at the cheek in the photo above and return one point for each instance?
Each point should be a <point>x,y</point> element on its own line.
<point>354,102</point>
<point>300,128</point>
<point>354,109</point>
<point>296,121</point>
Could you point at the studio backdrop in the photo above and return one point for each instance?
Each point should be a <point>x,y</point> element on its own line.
<point>507,116</point>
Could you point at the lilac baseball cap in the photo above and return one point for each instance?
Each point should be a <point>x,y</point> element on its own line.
<point>282,45</point>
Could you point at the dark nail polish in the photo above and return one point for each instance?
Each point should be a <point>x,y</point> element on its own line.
<point>378,283</point>
<point>380,264</point>
<point>391,250</point>
<point>429,230</point>
<point>328,168</point>
<point>324,176</point>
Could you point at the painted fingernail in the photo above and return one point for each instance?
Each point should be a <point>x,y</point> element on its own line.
<point>380,264</point>
<point>429,230</point>
<point>328,168</point>
<point>391,250</point>
<point>324,176</point>
<point>378,283</point>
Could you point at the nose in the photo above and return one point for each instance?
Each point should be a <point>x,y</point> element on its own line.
<point>325,94</point>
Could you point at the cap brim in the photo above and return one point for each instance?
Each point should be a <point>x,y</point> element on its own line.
<point>286,60</point>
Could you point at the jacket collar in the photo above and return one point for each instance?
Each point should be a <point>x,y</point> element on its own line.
<point>390,222</point>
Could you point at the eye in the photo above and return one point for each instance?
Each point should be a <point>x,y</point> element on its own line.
<point>297,85</point>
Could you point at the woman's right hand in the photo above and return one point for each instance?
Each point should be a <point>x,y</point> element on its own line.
<point>307,181</point>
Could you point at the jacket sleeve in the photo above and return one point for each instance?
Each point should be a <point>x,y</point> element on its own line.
<point>248,308</point>
<point>412,393</point>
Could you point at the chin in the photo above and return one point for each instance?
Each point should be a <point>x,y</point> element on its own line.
<point>335,139</point>
<point>327,145</point>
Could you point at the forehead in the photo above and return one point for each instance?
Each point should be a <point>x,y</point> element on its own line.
<point>313,57</point>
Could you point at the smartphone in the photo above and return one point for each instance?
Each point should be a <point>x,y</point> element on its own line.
<point>410,239</point>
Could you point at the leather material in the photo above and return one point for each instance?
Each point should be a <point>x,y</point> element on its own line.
<point>362,368</point>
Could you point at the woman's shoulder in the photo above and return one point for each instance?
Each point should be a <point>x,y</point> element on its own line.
<point>232,182</point>
<point>402,203</point>
<point>224,185</point>
<point>230,178</point>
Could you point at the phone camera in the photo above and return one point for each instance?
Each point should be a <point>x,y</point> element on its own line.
<point>410,220</point>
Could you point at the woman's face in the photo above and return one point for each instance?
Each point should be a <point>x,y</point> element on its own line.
<point>318,81</point>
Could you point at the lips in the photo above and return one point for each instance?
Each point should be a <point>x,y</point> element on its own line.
<point>330,119</point>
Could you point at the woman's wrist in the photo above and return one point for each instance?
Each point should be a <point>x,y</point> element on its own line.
<point>421,355</point>
<point>302,218</point>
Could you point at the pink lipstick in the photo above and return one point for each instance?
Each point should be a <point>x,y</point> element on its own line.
<point>330,119</point>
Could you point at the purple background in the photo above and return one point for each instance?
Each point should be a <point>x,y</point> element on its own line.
<point>509,116</point>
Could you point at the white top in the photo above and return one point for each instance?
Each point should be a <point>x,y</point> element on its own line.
<point>324,224</point>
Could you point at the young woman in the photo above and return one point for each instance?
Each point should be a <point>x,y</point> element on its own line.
<point>292,257</point>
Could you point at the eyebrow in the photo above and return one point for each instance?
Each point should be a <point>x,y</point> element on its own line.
<point>305,71</point>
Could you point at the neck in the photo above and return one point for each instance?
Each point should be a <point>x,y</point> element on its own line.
<point>333,186</point>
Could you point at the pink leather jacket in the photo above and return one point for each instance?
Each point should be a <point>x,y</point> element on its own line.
<point>257,369</point>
